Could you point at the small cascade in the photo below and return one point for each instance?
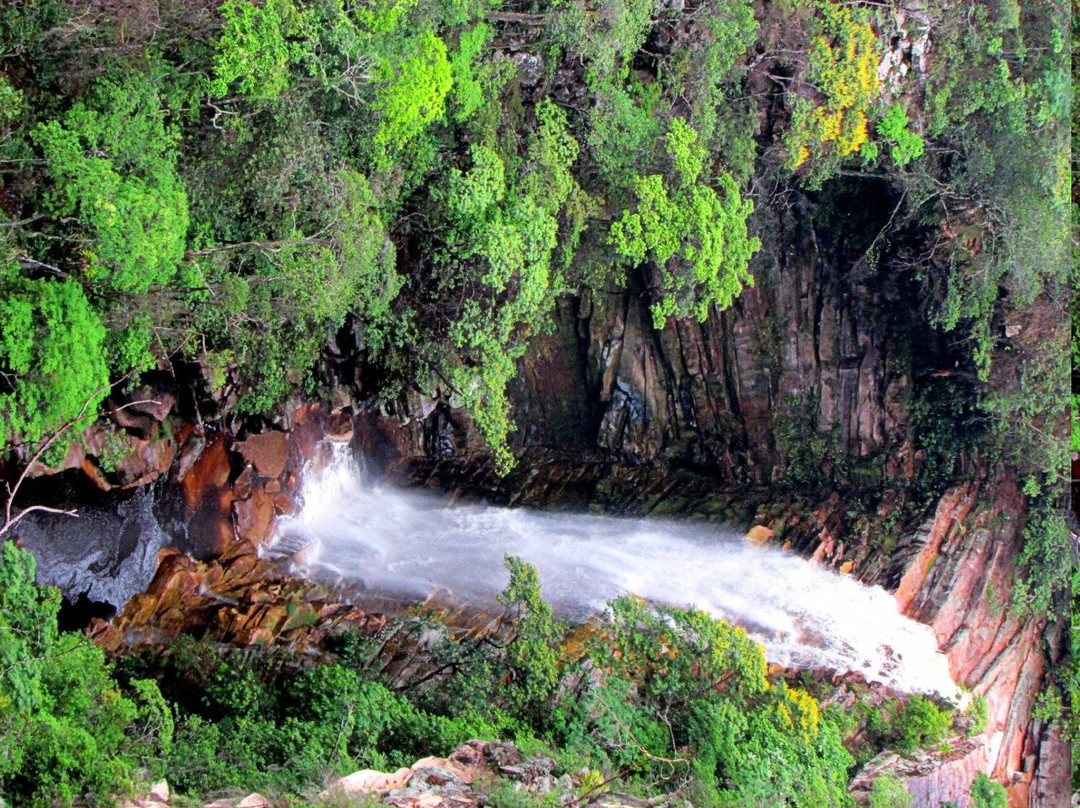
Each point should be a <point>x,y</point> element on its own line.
<point>355,530</point>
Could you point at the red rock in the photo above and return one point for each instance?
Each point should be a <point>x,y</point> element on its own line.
<point>284,504</point>
<point>210,471</point>
<point>268,453</point>
<point>244,484</point>
<point>254,516</point>
<point>339,427</point>
<point>146,461</point>
<point>951,511</point>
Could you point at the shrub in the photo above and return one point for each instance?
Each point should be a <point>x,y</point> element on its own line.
<point>919,724</point>
<point>889,792</point>
<point>66,729</point>
<point>113,167</point>
<point>985,793</point>
<point>51,358</point>
<point>695,235</point>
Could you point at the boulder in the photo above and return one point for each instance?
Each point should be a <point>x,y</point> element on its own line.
<point>160,791</point>
<point>369,781</point>
<point>254,516</point>
<point>339,427</point>
<point>267,453</point>
<point>759,535</point>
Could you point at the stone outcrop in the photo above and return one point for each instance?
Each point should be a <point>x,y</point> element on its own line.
<point>236,598</point>
<point>931,779</point>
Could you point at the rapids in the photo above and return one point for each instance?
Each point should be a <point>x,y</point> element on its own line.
<point>356,530</point>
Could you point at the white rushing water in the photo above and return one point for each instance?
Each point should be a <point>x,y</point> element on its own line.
<point>406,544</point>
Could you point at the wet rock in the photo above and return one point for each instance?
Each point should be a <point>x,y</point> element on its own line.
<point>339,427</point>
<point>144,462</point>
<point>237,598</point>
<point>760,535</point>
<point>267,452</point>
<point>208,499</point>
<point>254,516</point>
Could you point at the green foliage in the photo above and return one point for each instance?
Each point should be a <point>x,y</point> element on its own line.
<point>842,69</point>
<point>531,654</point>
<point>678,683</point>
<point>1046,557</point>
<point>920,724</point>
<point>66,730</point>
<point>469,79</point>
<point>695,236</point>
<point>253,53</point>
<point>889,792</point>
<point>113,166</point>
<point>412,93</point>
<point>977,713</point>
<point>904,145</point>
<point>502,239</point>
<point>946,425</point>
<point>804,450</point>
<point>623,130</point>
<point>985,793</point>
<point>51,358</point>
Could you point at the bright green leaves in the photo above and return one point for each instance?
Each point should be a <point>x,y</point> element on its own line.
<point>469,91</point>
<point>678,683</point>
<point>113,168</point>
<point>894,129</point>
<point>695,235</point>
<point>67,733</point>
<point>502,237</point>
<point>652,229</point>
<point>52,364</point>
<point>27,630</point>
<point>412,92</point>
<point>475,192</point>
<point>985,793</point>
<point>532,652</point>
<point>687,155</point>
<point>369,281</point>
<point>679,655</point>
<point>252,53</point>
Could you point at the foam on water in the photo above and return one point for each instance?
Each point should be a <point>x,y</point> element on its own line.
<point>404,543</point>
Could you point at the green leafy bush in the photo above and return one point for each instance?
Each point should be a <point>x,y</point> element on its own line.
<point>894,129</point>
<point>889,792</point>
<point>113,166</point>
<point>67,731</point>
<point>920,724</point>
<point>985,793</point>
<point>695,235</point>
<point>253,53</point>
<point>51,358</point>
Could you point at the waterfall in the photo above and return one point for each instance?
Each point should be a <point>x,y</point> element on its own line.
<point>356,530</point>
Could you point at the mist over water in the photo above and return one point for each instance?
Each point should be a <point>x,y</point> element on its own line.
<point>406,544</point>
